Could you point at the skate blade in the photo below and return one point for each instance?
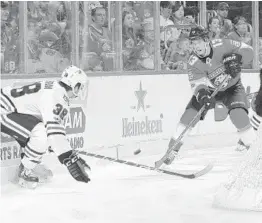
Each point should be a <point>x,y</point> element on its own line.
<point>45,179</point>
<point>158,164</point>
<point>25,184</point>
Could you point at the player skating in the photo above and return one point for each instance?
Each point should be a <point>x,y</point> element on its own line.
<point>209,64</point>
<point>34,115</point>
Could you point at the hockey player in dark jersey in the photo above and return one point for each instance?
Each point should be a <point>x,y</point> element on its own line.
<point>257,107</point>
<point>209,64</point>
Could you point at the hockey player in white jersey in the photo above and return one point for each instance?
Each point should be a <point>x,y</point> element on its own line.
<point>34,115</point>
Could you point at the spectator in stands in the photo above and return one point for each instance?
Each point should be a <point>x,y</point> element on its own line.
<point>33,29</point>
<point>177,56</point>
<point>165,13</point>
<point>129,40</point>
<point>178,14</point>
<point>48,60</point>
<point>94,62</point>
<point>222,13</point>
<point>182,23</point>
<point>190,15</point>
<point>4,11</point>
<point>129,7</point>
<point>128,35</point>
<point>242,31</point>
<point>9,37</point>
<point>49,38</point>
<point>260,53</point>
<point>214,27</point>
<point>146,52</point>
<point>99,38</point>
<point>165,35</point>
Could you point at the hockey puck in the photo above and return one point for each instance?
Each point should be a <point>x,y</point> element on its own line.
<point>137,151</point>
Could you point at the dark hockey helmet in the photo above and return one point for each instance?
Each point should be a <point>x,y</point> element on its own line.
<point>4,4</point>
<point>198,33</point>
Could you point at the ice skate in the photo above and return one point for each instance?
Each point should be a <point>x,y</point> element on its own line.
<point>241,146</point>
<point>173,154</point>
<point>43,173</point>
<point>26,178</point>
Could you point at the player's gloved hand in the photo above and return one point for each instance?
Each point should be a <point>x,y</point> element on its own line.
<point>203,98</point>
<point>232,63</point>
<point>76,166</point>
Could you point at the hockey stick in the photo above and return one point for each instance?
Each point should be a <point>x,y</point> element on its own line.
<point>159,163</point>
<point>130,163</point>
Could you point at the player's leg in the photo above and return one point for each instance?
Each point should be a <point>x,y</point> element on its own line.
<point>257,107</point>
<point>30,133</point>
<point>236,101</point>
<point>34,150</point>
<point>191,111</point>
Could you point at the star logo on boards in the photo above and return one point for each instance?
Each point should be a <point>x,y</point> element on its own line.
<point>140,95</point>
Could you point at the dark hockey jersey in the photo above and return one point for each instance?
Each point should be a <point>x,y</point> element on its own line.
<point>210,71</point>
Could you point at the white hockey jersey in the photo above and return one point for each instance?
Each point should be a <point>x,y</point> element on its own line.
<point>46,100</point>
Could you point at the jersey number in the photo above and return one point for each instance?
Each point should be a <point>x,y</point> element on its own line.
<point>60,111</point>
<point>27,89</point>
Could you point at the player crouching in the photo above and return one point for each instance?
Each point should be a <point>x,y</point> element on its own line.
<point>209,64</point>
<point>34,116</point>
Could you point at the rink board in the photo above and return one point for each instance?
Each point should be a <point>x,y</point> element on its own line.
<point>118,114</point>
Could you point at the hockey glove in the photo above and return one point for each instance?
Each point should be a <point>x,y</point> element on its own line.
<point>232,63</point>
<point>203,98</point>
<point>76,166</point>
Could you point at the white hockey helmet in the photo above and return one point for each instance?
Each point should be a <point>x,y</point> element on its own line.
<point>73,76</point>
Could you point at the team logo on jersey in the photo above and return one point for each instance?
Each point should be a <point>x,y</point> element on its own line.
<point>208,61</point>
<point>219,79</point>
<point>216,72</point>
<point>82,99</point>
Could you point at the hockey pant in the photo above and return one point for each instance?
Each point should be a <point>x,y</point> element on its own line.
<point>30,133</point>
<point>235,101</point>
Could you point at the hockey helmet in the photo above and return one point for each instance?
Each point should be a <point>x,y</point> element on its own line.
<point>198,33</point>
<point>74,77</point>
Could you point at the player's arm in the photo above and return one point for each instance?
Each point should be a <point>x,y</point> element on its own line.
<point>241,48</point>
<point>54,115</point>
<point>198,81</point>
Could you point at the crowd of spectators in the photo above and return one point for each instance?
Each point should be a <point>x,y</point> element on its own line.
<point>219,26</point>
<point>9,37</point>
<point>98,54</point>
<point>49,35</point>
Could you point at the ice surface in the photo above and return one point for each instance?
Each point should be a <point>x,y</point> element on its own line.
<point>120,193</point>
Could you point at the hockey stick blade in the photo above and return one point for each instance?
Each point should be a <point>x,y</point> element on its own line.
<point>130,163</point>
